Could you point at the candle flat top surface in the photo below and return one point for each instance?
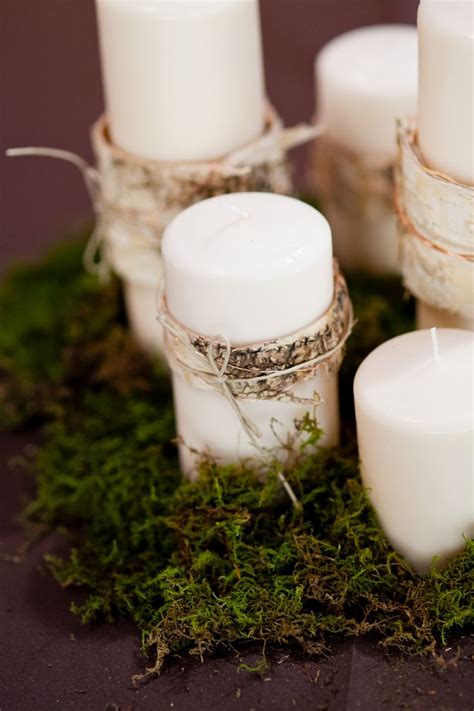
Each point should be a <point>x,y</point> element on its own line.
<point>372,60</point>
<point>173,9</point>
<point>406,382</point>
<point>247,236</point>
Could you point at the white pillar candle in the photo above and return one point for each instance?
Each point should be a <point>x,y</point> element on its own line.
<point>446,87</point>
<point>140,302</point>
<point>414,398</point>
<point>249,267</point>
<point>365,80</point>
<point>183,78</point>
<point>141,273</point>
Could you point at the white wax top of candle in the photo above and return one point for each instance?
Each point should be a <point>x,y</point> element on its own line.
<point>248,266</point>
<point>183,79</point>
<point>365,80</point>
<point>404,382</point>
<point>446,87</point>
<point>169,9</point>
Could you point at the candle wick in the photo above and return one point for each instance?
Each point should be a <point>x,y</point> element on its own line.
<point>243,214</point>
<point>435,343</point>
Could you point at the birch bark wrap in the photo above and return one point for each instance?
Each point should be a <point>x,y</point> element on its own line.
<point>357,197</point>
<point>140,197</point>
<point>436,223</point>
<point>266,370</point>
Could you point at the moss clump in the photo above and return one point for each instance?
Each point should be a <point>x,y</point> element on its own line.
<point>61,334</point>
<point>200,566</point>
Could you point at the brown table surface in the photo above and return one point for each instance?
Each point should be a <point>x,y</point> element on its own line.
<point>48,660</point>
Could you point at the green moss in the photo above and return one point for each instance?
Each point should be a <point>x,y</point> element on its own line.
<point>201,566</point>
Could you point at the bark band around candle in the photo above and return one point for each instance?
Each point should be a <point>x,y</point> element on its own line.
<point>144,195</point>
<point>266,370</point>
<point>136,198</point>
<point>436,230</point>
<point>356,192</point>
<point>352,182</point>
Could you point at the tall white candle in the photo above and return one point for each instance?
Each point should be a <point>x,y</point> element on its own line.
<point>446,87</point>
<point>365,80</point>
<point>183,78</point>
<point>414,398</point>
<point>141,271</point>
<point>249,267</point>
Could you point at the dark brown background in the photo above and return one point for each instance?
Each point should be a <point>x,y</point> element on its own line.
<point>51,93</point>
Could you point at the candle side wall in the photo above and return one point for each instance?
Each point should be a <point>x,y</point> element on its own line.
<point>183,86</point>
<point>248,278</point>
<point>206,422</point>
<point>415,430</point>
<point>429,317</point>
<point>420,486</point>
<point>446,87</point>
<point>365,80</point>
<point>249,267</point>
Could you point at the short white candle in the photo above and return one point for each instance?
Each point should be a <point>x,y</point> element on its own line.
<point>414,398</point>
<point>249,267</point>
<point>183,78</point>
<point>446,87</point>
<point>365,80</point>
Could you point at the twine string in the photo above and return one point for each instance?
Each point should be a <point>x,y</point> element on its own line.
<point>248,425</point>
<point>218,375</point>
<point>266,149</point>
<point>284,139</point>
<point>92,180</point>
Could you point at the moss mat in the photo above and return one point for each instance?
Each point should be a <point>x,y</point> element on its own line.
<point>202,566</point>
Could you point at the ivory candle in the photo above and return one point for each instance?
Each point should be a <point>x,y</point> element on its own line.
<point>365,80</point>
<point>183,78</point>
<point>141,272</point>
<point>446,87</point>
<point>249,267</point>
<point>414,398</point>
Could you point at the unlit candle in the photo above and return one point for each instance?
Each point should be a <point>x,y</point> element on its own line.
<point>248,267</point>
<point>446,87</point>
<point>365,80</point>
<point>183,79</point>
<point>414,398</point>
